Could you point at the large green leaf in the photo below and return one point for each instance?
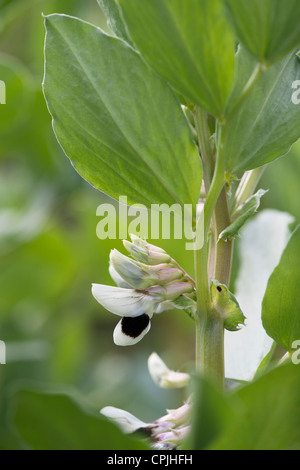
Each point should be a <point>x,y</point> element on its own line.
<point>55,421</point>
<point>115,21</point>
<point>281,304</point>
<point>269,29</point>
<point>267,414</point>
<point>118,122</point>
<point>264,123</point>
<point>189,43</point>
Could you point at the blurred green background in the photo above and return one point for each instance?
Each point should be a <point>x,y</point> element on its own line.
<point>54,330</point>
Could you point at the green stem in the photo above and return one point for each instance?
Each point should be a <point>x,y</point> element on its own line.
<point>210,347</point>
<point>209,325</point>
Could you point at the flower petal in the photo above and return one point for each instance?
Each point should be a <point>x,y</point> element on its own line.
<point>163,376</point>
<point>126,421</point>
<point>130,331</point>
<point>118,279</point>
<point>124,302</point>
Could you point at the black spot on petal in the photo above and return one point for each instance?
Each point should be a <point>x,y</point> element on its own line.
<point>134,326</point>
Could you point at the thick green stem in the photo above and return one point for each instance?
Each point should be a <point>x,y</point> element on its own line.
<point>209,324</point>
<point>210,347</point>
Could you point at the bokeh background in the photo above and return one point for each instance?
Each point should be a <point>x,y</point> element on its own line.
<point>55,332</point>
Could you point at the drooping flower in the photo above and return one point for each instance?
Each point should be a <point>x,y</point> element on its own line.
<point>163,376</point>
<point>143,290</point>
<point>167,432</point>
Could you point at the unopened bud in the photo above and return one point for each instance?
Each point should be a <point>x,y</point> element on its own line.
<point>171,291</point>
<point>139,275</point>
<point>146,253</point>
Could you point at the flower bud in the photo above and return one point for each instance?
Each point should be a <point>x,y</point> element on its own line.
<point>140,276</point>
<point>146,253</point>
<point>171,291</point>
<point>175,436</point>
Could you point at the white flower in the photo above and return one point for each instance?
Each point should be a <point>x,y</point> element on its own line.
<point>138,275</point>
<point>126,421</point>
<point>124,302</point>
<point>163,376</point>
<point>136,307</point>
<point>166,432</point>
<point>143,290</point>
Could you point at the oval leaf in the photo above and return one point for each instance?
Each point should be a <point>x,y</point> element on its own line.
<point>264,125</point>
<point>281,304</point>
<point>118,122</point>
<point>269,29</point>
<point>190,43</point>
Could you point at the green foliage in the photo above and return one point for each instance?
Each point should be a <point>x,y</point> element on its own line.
<point>261,127</point>
<point>266,414</point>
<point>241,215</point>
<point>263,415</point>
<point>212,410</point>
<point>225,303</point>
<point>189,43</point>
<point>119,123</point>
<point>56,421</point>
<point>268,28</point>
<point>281,304</point>
<point>114,19</point>
<point>116,108</point>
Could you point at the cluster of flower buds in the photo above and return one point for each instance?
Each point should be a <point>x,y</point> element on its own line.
<point>149,282</point>
<point>167,432</point>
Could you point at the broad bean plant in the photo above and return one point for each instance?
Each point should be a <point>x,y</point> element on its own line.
<point>183,104</point>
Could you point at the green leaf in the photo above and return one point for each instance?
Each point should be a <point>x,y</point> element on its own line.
<point>55,421</point>
<point>225,303</point>
<point>281,304</point>
<point>189,43</point>
<point>210,414</point>
<point>115,21</point>
<point>118,122</point>
<point>267,414</point>
<point>241,215</point>
<point>270,29</point>
<point>263,123</point>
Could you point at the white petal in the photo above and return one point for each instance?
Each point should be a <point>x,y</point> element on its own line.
<point>164,306</point>
<point>126,421</point>
<point>118,279</point>
<point>262,243</point>
<point>163,376</point>
<point>123,302</point>
<point>132,332</point>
